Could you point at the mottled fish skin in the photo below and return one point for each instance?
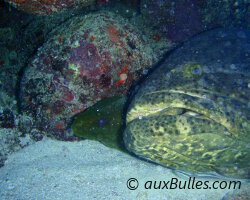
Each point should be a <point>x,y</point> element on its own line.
<point>194,117</point>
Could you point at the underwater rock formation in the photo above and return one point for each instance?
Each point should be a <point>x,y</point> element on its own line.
<point>178,20</point>
<point>192,113</point>
<point>45,7</point>
<point>175,19</point>
<point>99,55</point>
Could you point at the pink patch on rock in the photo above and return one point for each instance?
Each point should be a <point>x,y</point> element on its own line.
<point>68,96</point>
<point>77,110</point>
<point>45,7</point>
<point>86,55</point>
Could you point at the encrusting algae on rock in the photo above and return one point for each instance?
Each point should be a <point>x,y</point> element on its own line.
<point>47,7</point>
<point>99,55</point>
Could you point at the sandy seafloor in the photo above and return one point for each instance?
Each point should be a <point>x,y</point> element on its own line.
<point>52,169</point>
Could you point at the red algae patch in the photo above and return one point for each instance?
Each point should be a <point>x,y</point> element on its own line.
<point>45,7</point>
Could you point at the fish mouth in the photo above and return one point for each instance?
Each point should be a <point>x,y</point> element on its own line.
<point>143,108</point>
<point>177,102</point>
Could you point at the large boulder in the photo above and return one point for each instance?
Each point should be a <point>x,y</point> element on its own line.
<point>45,7</point>
<point>97,56</point>
<point>178,20</point>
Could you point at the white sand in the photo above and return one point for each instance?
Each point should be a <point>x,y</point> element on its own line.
<point>85,170</point>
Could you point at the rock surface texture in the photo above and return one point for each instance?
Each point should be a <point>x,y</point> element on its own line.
<point>45,7</point>
<point>99,55</point>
